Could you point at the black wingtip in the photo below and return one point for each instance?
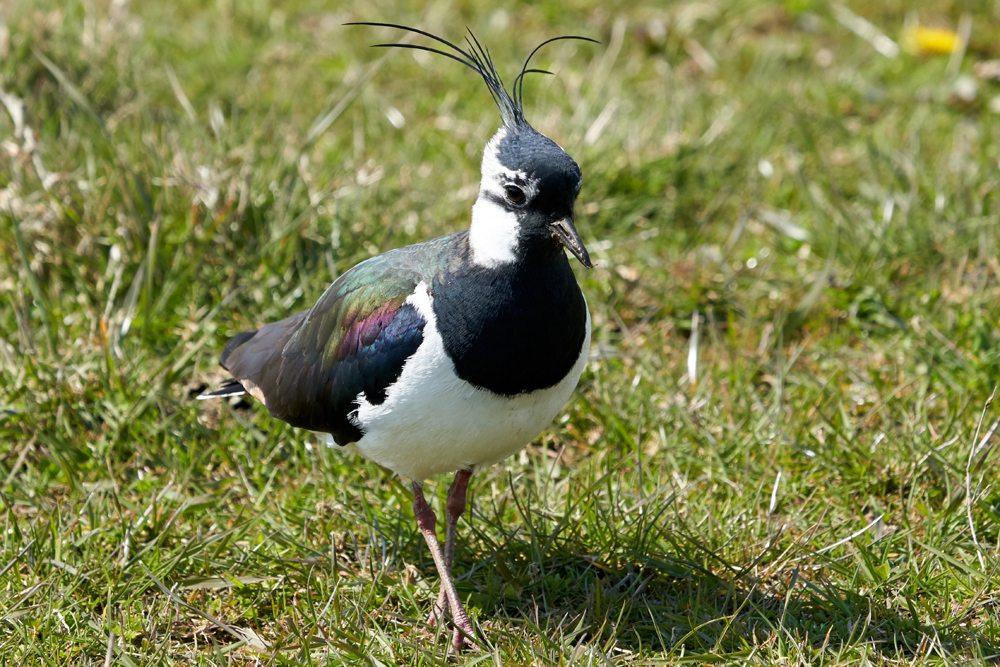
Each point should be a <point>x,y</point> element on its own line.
<point>234,343</point>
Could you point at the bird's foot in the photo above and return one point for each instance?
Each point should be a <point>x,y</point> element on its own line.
<point>464,639</point>
<point>463,633</point>
<point>439,610</point>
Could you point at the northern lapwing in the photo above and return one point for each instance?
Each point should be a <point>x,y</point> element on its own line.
<point>447,355</point>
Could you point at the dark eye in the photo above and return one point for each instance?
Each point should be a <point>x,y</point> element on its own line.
<point>515,194</point>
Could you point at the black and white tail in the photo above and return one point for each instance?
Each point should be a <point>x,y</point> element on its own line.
<point>228,389</point>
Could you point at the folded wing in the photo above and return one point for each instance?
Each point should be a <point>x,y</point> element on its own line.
<point>310,369</point>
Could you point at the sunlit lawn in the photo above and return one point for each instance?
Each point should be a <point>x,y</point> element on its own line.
<point>782,451</point>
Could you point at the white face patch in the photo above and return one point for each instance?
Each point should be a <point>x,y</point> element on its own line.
<point>494,231</point>
<point>493,234</point>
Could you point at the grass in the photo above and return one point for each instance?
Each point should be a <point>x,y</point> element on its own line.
<point>782,452</point>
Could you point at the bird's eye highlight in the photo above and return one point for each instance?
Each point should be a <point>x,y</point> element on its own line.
<point>515,194</point>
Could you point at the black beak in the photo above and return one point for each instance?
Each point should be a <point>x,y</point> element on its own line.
<point>566,233</point>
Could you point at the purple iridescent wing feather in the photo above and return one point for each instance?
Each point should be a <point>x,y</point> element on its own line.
<point>310,368</point>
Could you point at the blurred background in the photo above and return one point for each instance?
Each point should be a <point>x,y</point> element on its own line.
<point>785,427</point>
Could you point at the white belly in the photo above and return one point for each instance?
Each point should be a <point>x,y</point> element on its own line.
<point>433,422</point>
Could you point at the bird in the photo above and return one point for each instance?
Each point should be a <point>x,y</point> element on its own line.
<point>451,354</point>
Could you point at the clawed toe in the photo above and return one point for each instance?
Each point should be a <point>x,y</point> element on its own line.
<point>432,618</point>
<point>460,641</point>
<point>464,641</point>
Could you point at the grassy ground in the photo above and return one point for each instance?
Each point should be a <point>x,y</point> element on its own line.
<point>782,451</point>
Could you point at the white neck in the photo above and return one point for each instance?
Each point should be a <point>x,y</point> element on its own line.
<point>493,234</point>
<point>494,230</point>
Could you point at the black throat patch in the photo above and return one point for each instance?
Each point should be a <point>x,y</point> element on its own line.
<point>512,329</point>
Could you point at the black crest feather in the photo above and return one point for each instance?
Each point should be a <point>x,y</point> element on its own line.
<point>477,58</point>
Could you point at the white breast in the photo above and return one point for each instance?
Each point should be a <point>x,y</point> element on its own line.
<point>434,422</point>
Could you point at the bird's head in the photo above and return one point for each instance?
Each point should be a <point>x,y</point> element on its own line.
<point>529,183</point>
<point>526,196</point>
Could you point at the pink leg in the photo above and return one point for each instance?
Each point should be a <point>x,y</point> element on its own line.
<point>426,521</point>
<point>456,507</point>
